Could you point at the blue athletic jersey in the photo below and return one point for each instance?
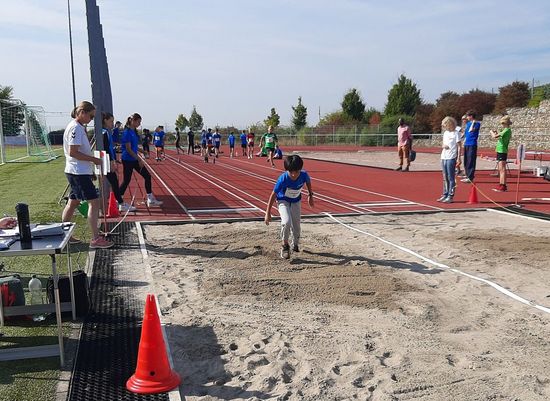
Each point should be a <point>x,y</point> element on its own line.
<point>108,143</point>
<point>209,138</point>
<point>243,139</point>
<point>115,135</point>
<point>129,136</point>
<point>471,133</point>
<point>203,138</point>
<point>288,190</point>
<point>158,138</point>
<point>231,140</point>
<point>217,138</point>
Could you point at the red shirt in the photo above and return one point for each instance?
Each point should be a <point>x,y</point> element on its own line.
<point>250,138</point>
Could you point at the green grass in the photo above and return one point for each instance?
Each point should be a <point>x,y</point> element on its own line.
<point>18,154</point>
<point>40,185</point>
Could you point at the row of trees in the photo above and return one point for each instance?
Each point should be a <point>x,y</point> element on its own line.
<point>405,101</point>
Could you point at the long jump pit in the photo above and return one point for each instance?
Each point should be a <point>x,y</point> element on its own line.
<point>440,306</point>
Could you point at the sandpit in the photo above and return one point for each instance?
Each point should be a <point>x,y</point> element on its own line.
<point>352,318</point>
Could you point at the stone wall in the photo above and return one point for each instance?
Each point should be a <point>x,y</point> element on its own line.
<point>530,126</point>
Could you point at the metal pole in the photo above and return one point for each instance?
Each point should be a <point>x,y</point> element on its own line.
<point>27,130</point>
<point>71,48</point>
<point>2,146</point>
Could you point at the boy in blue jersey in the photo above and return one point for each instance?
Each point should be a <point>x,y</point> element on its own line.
<point>471,134</point>
<point>288,193</point>
<point>158,141</point>
<point>231,140</point>
<point>217,139</point>
<point>244,143</point>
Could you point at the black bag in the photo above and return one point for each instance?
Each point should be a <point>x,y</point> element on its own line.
<point>81,297</point>
<point>412,155</point>
<point>12,290</point>
<point>547,174</point>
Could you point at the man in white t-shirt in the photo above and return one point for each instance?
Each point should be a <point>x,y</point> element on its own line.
<point>79,171</point>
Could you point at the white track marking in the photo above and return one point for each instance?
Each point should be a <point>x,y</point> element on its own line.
<point>203,175</point>
<point>496,286</point>
<point>169,190</point>
<point>227,210</point>
<point>517,215</point>
<point>357,189</point>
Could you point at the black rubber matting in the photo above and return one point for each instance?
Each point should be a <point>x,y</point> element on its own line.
<point>109,341</point>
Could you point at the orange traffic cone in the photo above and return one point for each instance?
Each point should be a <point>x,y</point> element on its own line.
<point>153,372</point>
<point>112,210</point>
<point>473,195</point>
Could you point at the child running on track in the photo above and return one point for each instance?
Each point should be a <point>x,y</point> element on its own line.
<point>217,139</point>
<point>231,140</point>
<point>269,142</point>
<point>131,161</point>
<point>107,121</point>
<point>158,141</point>
<point>288,193</point>
<point>244,143</point>
<point>250,140</point>
<point>146,141</point>
<point>203,146</point>
<point>178,137</point>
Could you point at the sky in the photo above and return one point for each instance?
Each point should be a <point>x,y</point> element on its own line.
<point>235,60</point>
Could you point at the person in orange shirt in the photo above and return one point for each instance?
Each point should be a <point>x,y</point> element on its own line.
<point>404,138</point>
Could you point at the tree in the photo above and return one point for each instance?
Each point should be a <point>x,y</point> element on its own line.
<point>299,120</point>
<point>403,98</point>
<point>273,119</point>
<point>480,101</point>
<point>353,105</point>
<point>422,118</point>
<point>446,105</point>
<point>335,118</point>
<point>12,117</point>
<point>182,122</point>
<point>516,94</point>
<point>195,121</point>
<point>371,116</point>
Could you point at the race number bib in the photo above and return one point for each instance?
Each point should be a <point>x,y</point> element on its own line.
<point>292,193</point>
<point>269,139</point>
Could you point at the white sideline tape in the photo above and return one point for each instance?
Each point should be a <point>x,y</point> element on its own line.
<point>441,265</point>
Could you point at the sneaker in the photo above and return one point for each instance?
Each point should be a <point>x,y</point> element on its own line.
<point>465,180</point>
<point>442,198</point>
<point>500,188</point>
<point>285,251</point>
<point>124,207</point>
<point>399,168</point>
<point>74,241</point>
<point>448,199</point>
<point>100,243</point>
<point>295,248</point>
<point>153,202</point>
<point>406,168</point>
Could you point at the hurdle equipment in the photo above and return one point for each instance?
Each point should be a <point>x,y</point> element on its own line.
<point>153,372</point>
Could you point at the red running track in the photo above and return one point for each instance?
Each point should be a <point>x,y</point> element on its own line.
<point>240,187</point>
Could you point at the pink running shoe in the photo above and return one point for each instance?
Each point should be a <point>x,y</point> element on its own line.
<point>100,243</point>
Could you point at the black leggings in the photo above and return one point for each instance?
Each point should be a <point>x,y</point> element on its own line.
<point>113,180</point>
<point>128,168</point>
<point>190,149</point>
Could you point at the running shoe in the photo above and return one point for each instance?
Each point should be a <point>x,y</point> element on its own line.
<point>153,202</point>
<point>295,248</point>
<point>100,243</point>
<point>74,241</point>
<point>399,168</point>
<point>406,168</point>
<point>124,207</point>
<point>285,251</point>
<point>465,180</point>
<point>442,198</point>
<point>448,199</point>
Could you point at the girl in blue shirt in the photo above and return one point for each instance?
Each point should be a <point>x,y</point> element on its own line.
<point>131,161</point>
<point>288,193</point>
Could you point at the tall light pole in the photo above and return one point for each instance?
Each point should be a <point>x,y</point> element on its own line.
<point>71,48</point>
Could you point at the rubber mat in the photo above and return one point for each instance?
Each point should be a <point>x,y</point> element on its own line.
<point>109,341</point>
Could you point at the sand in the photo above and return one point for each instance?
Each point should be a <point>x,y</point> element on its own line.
<point>352,318</point>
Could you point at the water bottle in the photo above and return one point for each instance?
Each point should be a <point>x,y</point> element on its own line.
<point>24,222</point>
<point>35,287</point>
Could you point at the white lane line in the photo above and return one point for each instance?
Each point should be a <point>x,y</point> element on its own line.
<point>227,210</point>
<point>518,215</point>
<point>358,189</point>
<point>496,286</point>
<point>381,204</point>
<point>203,175</point>
<point>319,195</point>
<point>169,190</point>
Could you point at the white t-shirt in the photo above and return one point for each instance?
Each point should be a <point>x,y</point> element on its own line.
<point>75,134</point>
<point>451,139</point>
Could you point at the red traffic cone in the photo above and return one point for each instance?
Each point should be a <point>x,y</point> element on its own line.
<point>112,210</point>
<point>153,372</point>
<point>473,195</point>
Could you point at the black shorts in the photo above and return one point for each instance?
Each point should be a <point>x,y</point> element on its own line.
<point>82,187</point>
<point>145,146</point>
<point>203,145</point>
<point>231,146</point>
<point>502,157</point>
<point>243,146</point>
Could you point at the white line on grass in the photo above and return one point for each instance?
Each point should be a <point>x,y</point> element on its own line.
<point>441,265</point>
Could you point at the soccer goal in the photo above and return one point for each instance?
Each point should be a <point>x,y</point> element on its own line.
<point>23,133</point>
